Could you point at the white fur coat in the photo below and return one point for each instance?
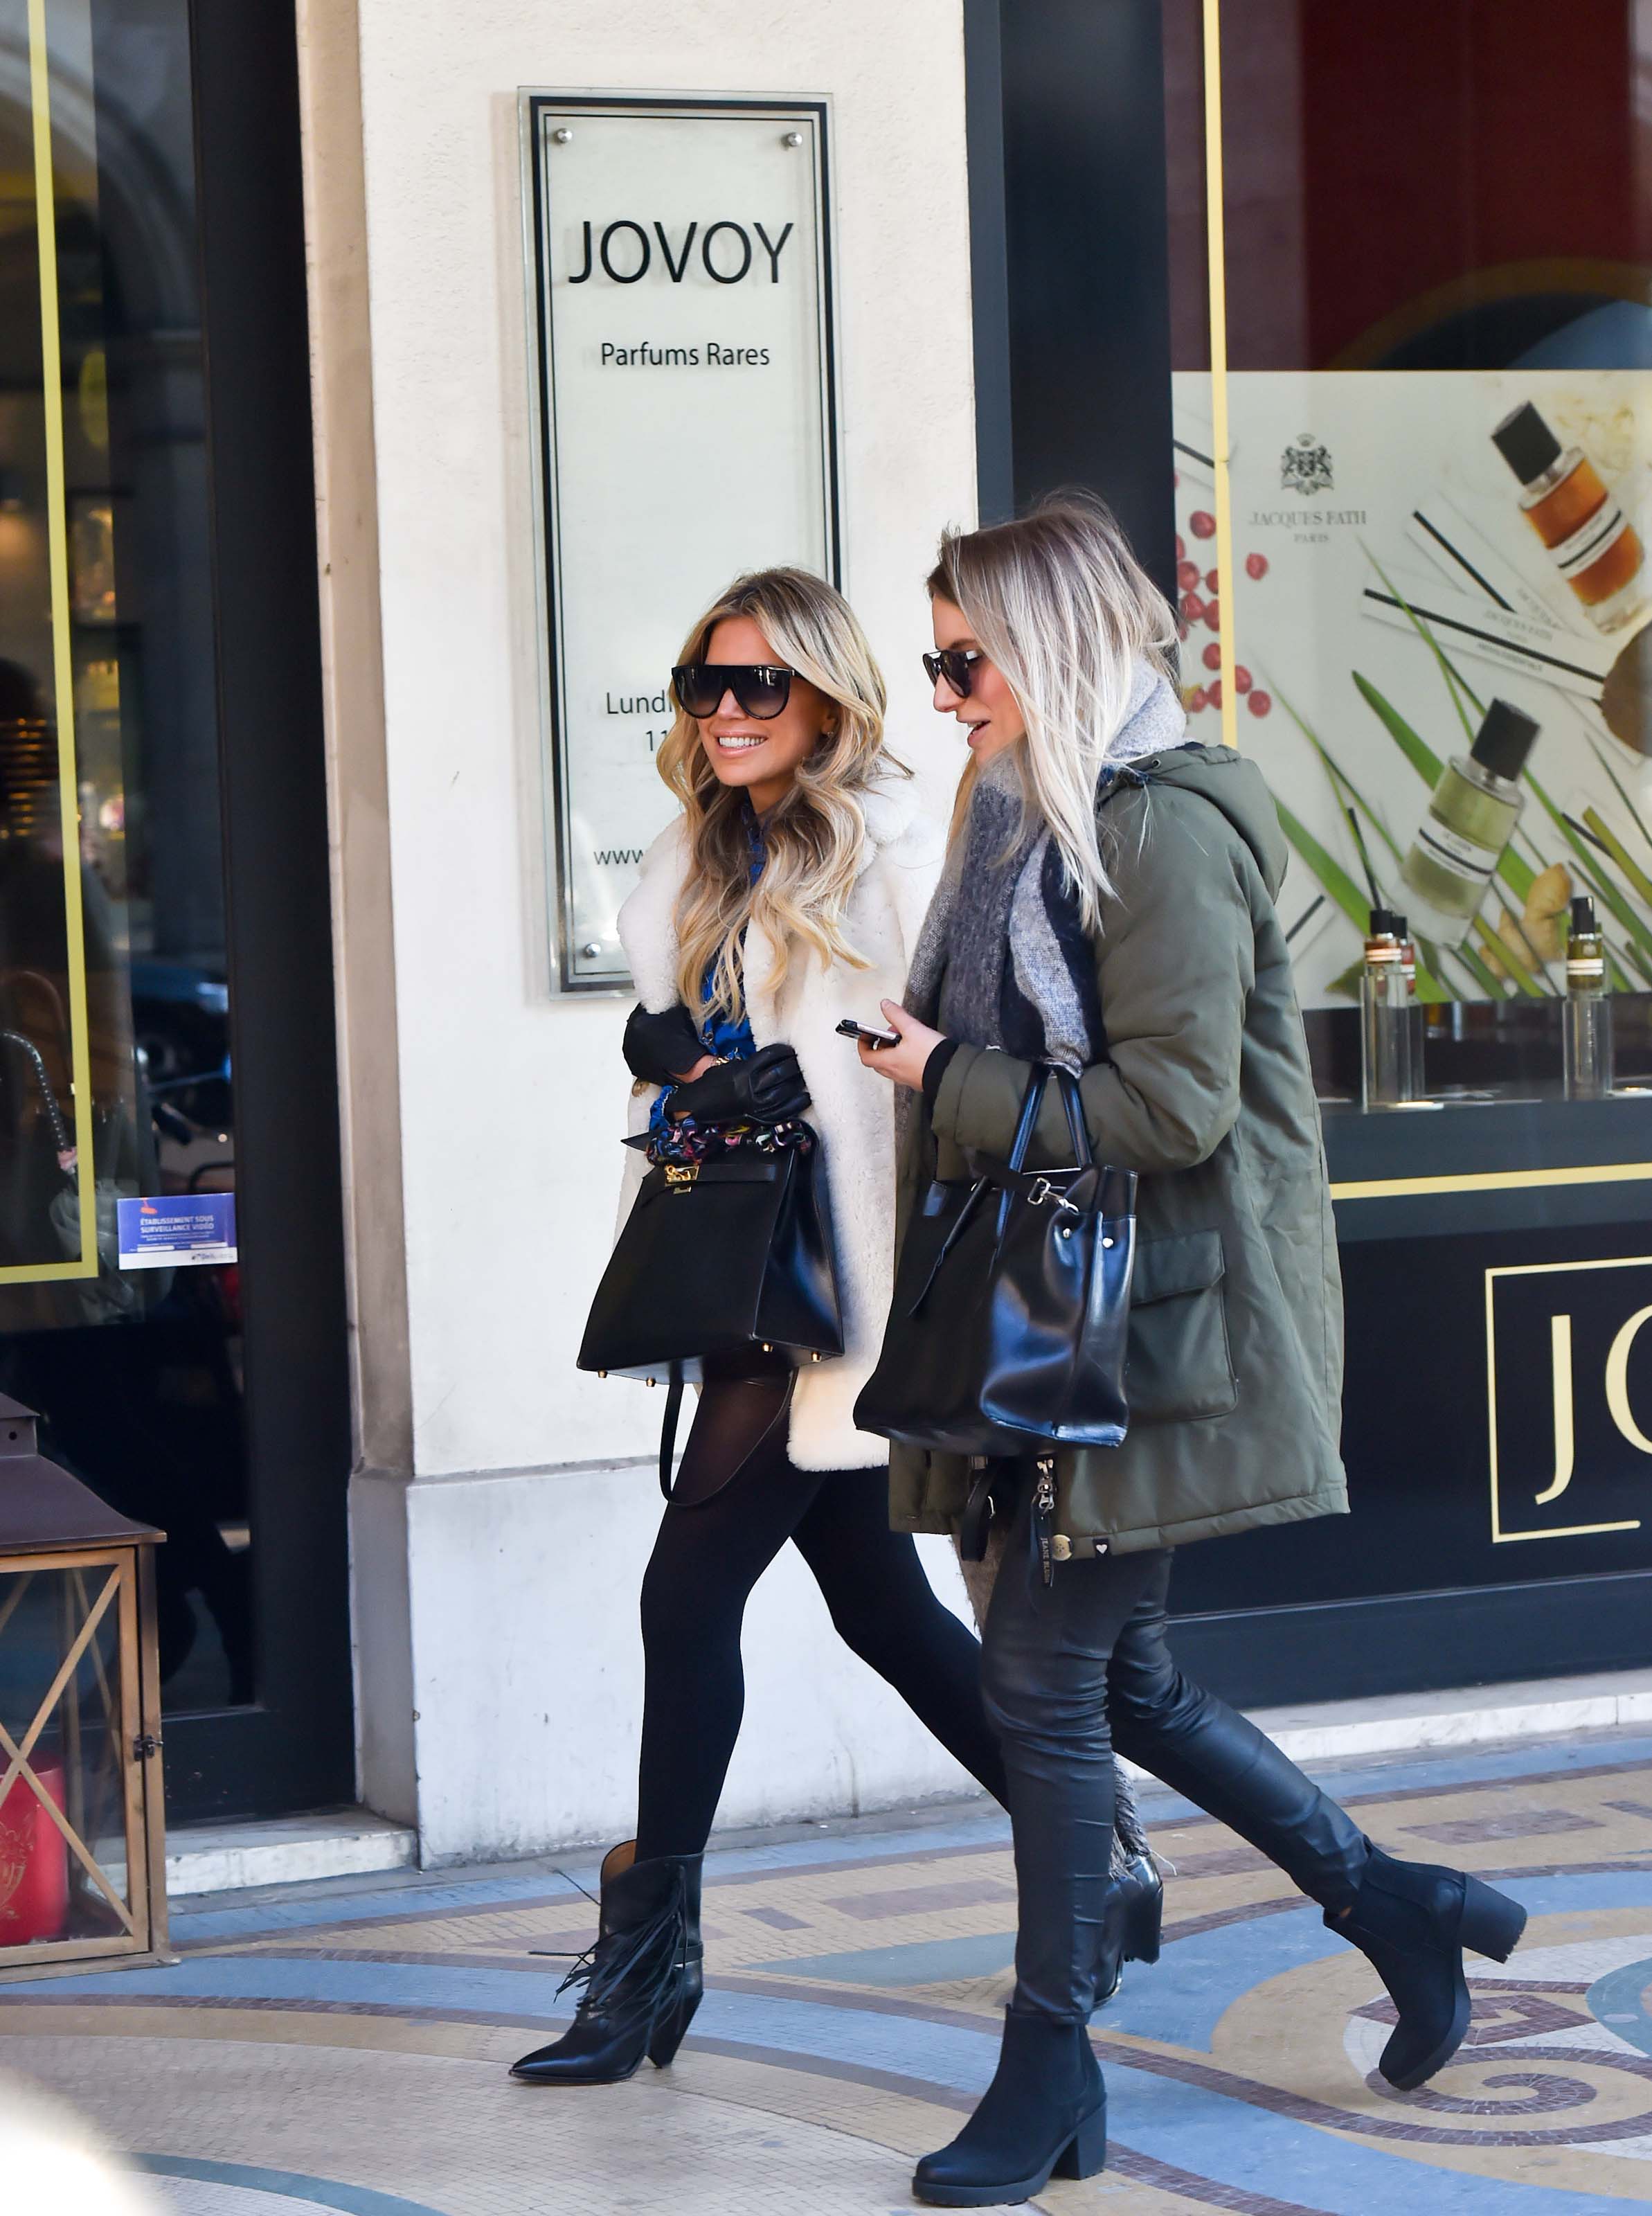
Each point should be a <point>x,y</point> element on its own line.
<point>852,1110</point>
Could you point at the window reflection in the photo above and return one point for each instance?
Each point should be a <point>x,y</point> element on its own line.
<point>111,894</point>
<point>1436,494</point>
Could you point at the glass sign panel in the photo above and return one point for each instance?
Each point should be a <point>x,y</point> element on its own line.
<point>680,262</point>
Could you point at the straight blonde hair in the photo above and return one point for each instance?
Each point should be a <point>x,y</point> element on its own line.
<point>814,838</point>
<point>1058,601</point>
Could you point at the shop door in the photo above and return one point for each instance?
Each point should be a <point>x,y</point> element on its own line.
<point>171,1294</point>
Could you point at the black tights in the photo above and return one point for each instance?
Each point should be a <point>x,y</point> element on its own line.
<point>705,1562</point>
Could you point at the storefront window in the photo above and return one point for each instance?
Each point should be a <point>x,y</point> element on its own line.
<point>1412,333</point>
<point>1412,339</point>
<point>118,1284</point>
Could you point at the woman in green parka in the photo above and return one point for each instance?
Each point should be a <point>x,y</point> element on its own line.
<point>1108,904</point>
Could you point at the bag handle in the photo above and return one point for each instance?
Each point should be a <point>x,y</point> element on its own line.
<point>1073,1101</point>
<point>668,1427</point>
<point>1032,1099</point>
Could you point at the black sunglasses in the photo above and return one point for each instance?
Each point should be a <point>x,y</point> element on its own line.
<point>955,664</point>
<point>762,688</point>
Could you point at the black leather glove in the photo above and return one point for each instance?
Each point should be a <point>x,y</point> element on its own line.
<point>660,1048</point>
<point>766,1088</point>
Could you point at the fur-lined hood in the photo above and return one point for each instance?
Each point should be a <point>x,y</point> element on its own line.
<point>852,1108</point>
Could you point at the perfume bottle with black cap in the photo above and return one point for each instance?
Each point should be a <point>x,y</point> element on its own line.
<point>1564,498</point>
<point>1391,1021</point>
<point>1471,818</point>
<point>1587,1021</point>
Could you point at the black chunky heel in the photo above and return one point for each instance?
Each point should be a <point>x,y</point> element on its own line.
<point>1492,1924</point>
<point>1086,2153</point>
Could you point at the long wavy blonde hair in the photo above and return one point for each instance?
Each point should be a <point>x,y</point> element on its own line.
<point>814,838</point>
<point>1059,603</point>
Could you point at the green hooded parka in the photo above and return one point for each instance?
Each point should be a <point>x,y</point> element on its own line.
<point>1235,1363</point>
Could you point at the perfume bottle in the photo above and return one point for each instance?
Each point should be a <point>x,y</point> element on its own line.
<point>1471,818</point>
<point>1391,1022</point>
<point>1589,538</point>
<point>1587,1018</point>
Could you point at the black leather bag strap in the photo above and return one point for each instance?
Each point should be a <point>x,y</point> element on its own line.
<point>1073,1101</point>
<point>1027,1123</point>
<point>977,1519</point>
<point>668,1427</point>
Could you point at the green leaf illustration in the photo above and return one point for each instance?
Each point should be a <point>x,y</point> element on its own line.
<point>1415,748</point>
<point>1639,882</point>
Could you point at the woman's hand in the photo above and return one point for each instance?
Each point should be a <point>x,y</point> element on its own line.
<point>664,1048</point>
<point>766,1088</point>
<point>903,1064</point>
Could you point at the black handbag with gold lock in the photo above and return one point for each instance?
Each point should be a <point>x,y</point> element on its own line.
<point>718,1256</point>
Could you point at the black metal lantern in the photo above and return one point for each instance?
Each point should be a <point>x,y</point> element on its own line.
<point>83,1828</point>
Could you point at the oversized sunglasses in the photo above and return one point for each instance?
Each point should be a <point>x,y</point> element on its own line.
<point>762,688</point>
<point>955,664</point>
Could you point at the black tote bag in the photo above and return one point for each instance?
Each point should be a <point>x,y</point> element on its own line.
<point>1011,1310</point>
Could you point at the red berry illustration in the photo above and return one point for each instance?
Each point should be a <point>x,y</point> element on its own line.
<point>1256,565</point>
<point>1213,615</point>
<point>1186,576</point>
<point>1180,547</point>
<point>1259,702</point>
<point>1197,698</point>
<point>1202,523</point>
<point>1214,695</point>
<point>1241,676</point>
<point>1192,606</point>
<point>1180,628</point>
<point>1213,579</point>
<point>1213,656</point>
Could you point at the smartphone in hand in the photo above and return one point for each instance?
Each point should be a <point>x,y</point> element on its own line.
<point>850,1028</point>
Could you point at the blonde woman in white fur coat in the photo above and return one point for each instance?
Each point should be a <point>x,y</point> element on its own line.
<point>786,896</point>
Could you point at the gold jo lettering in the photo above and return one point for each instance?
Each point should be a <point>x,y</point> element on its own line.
<point>1617,1385</point>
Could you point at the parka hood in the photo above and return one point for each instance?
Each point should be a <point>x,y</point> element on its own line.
<point>1230,782</point>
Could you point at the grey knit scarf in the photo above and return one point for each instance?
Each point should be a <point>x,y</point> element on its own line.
<point>1003,960</point>
<point>1000,960</point>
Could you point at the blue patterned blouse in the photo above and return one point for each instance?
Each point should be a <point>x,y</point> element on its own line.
<point>721,1036</point>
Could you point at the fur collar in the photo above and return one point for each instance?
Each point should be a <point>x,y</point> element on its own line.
<point>648,919</point>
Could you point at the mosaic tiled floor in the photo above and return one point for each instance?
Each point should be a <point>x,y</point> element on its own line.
<point>345,2048</point>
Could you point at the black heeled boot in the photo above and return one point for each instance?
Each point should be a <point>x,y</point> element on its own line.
<point>1043,2115</point>
<point>1131,1923</point>
<point>642,1979</point>
<point>1413,1920</point>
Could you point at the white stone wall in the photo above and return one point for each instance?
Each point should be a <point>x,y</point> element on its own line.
<point>501,1516</point>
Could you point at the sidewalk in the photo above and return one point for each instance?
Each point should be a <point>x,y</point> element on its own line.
<point>342,2045</point>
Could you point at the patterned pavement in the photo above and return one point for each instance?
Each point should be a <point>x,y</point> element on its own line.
<point>343,2046</point>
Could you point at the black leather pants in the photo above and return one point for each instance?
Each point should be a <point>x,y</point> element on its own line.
<point>1076,1669</point>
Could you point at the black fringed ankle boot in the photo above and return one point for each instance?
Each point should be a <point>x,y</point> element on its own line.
<point>642,1979</point>
<point>1043,2115</point>
<point>1132,1923</point>
<point>1413,1920</point>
